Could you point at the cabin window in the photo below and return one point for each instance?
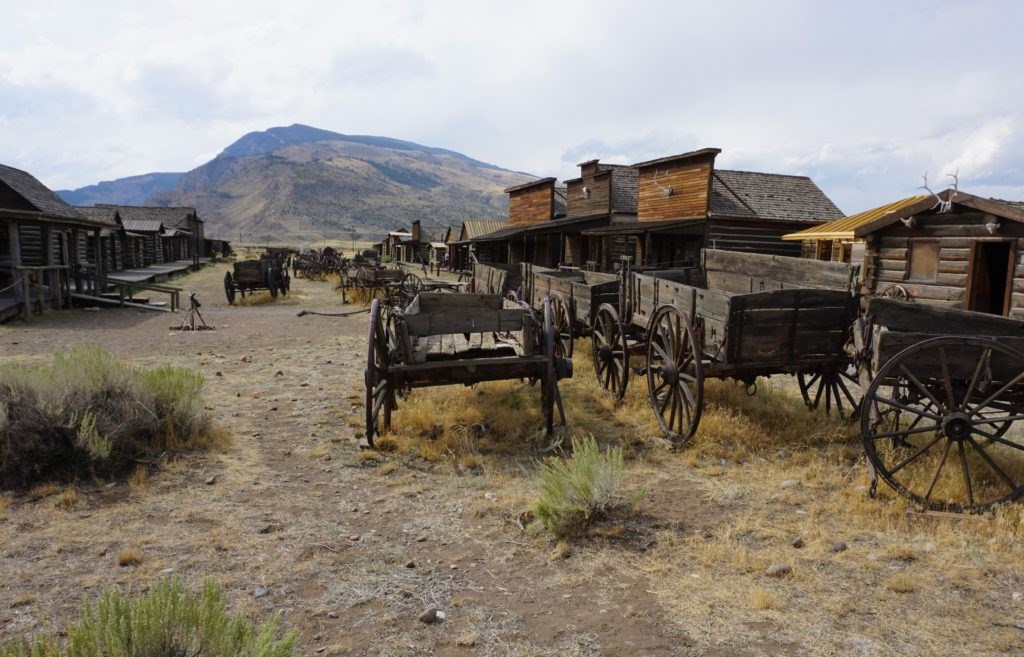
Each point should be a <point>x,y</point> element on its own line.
<point>824,250</point>
<point>923,265</point>
<point>5,242</point>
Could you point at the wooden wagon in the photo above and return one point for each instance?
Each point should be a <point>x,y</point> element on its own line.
<point>944,389</point>
<point>741,316</point>
<point>444,339</point>
<point>496,278</point>
<point>575,297</point>
<point>247,276</point>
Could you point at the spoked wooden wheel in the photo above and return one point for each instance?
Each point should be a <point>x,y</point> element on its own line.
<point>610,351</point>
<point>409,287</point>
<point>675,376</point>
<point>938,420</point>
<point>272,283</point>
<point>229,287</point>
<point>549,381</point>
<point>563,323</point>
<point>380,354</point>
<point>835,387</point>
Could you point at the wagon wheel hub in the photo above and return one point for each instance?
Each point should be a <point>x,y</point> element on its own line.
<point>605,352</point>
<point>669,374</point>
<point>956,426</point>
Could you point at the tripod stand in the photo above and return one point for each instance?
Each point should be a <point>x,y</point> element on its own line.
<point>189,322</point>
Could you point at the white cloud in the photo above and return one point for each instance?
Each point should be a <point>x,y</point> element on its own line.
<point>864,97</point>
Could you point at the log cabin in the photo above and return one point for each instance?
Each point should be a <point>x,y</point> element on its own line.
<point>41,245</point>
<point>835,240</point>
<point>953,249</point>
<point>459,241</point>
<point>183,233</point>
<point>684,203</point>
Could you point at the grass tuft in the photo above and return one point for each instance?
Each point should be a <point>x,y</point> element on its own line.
<point>88,412</point>
<point>580,490</point>
<point>166,621</point>
<point>129,557</point>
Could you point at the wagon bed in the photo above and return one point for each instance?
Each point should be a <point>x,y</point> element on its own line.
<point>444,339</point>
<point>740,316</point>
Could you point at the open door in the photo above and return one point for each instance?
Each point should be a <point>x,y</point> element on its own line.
<point>990,277</point>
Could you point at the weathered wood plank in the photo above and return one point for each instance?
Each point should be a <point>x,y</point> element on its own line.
<point>900,316</point>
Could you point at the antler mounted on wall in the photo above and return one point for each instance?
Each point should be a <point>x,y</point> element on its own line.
<point>665,191</point>
<point>947,205</point>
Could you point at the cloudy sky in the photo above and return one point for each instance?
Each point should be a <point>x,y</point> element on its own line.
<point>863,96</point>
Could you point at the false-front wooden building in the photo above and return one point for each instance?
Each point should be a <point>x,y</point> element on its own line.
<point>44,245</point>
<point>684,203</point>
<point>953,250</point>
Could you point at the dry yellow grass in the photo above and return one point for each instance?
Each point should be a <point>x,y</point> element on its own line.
<point>139,478</point>
<point>129,557</point>
<point>68,498</point>
<point>901,584</point>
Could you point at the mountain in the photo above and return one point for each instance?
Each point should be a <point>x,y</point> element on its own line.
<point>134,190</point>
<point>300,183</point>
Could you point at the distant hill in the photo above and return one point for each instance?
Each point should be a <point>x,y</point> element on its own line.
<point>135,190</point>
<point>305,183</point>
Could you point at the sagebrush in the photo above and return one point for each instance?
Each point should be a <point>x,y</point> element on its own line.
<point>576,491</point>
<point>88,411</point>
<point>166,621</point>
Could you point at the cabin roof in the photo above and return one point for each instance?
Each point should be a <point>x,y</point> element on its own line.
<point>505,233</point>
<point>38,195</point>
<point>104,215</point>
<point>170,216</point>
<point>1012,210</point>
<point>845,227</point>
<point>773,196</point>
<point>143,225</point>
<point>473,228</point>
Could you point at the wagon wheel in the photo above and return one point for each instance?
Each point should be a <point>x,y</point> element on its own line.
<point>836,386</point>
<point>563,323</point>
<point>229,287</point>
<point>939,434</point>
<point>549,395</point>
<point>897,292</point>
<point>675,376</point>
<point>380,354</point>
<point>610,350</point>
<point>408,288</point>
<point>272,283</point>
<point>286,285</point>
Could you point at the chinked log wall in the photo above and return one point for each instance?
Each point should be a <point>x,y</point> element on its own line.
<point>736,235</point>
<point>956,233</point>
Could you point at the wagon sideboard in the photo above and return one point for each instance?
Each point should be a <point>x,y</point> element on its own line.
<point>746,334</point>
<point>584,290</point>
<point>496,278</point>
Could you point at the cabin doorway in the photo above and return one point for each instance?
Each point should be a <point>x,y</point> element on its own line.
<point>991,277</point>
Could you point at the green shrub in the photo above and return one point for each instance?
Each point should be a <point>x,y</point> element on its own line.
<point>166,621</point>
<point>577,491</point>
<point>90,412</point>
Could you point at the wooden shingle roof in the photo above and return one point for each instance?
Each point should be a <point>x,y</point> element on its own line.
<point>474,228</point>
<point>37,195</point>
<point>771,196</point>
<point>171,217</point>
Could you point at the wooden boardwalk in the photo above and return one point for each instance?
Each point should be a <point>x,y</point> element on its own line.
<point>150,273</point>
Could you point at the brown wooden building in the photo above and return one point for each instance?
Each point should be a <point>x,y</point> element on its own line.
<point>684,203</point>
<point>44,244</point>
<point>182,234</point>
<point>459,242</point>
<point>953,250</point>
